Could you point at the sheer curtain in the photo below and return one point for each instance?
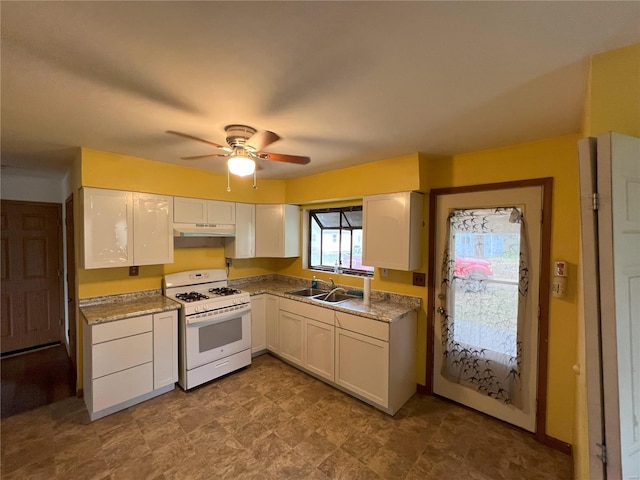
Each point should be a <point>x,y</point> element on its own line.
<point>485,280</point>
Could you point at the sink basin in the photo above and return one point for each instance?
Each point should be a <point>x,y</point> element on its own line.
<point>307,292</point>
<point>334,297</point>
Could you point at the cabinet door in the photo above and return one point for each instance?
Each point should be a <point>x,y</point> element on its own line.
<point>108,236</point>
<point>243,245</point>
<point>152,229</point>
<point>392,228</point>
<point>121,354</point>
<point>291,337</point>
<point>258,323</point>
<point>272,312</point>
<point>121,386</point>
<point>189,210</point>
<point>362,365</point>
<point>269,230</point>
<point>319,348</point>
<point>165,349</point>
<point>221,212</point>
<point>277,231</point>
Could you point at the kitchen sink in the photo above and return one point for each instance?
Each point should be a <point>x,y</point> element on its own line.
<point>335,297</point>
<point>308,292</point>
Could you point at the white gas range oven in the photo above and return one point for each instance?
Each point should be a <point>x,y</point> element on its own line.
<point>214,325</point>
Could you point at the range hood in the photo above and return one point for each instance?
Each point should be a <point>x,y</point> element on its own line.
<point>203,230</point>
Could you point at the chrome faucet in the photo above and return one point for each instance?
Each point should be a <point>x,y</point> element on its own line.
<point>334,290</point>
<point>331,285</point>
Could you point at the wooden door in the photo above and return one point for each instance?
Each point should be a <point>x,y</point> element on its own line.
<point>31,274</point>
<point>71,280</point>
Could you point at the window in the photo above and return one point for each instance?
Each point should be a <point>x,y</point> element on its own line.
<point>335,240</point>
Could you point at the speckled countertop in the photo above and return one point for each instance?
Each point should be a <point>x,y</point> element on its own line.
<point>117,307</point>
<point>384,306</point>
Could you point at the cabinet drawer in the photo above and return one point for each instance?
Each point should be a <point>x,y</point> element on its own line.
<point>121,328</point>
<point>365,326</point>
<point>321,314</point>
<point>117,355</point>
<point>122,386</point>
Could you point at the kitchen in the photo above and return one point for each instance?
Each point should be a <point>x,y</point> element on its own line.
<point>542,157</point>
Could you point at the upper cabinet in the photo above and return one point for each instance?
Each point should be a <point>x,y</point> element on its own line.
<point>126,228</point>
<point>277,230</point>
<point>152,229</point>
<point>108,232</point>
<point>200,210</point>
<point>243,245</point>
<point>392,230</point>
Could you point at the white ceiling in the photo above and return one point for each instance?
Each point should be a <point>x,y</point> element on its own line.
<point>342,82</point>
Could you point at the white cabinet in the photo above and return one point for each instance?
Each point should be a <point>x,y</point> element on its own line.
<point>376,360</point>
<point>108,236</point>
<point>307,337</point>
<point>189,210</point>
<point>392,230</point>
<point>277,230</point>
<point>243,245</point>
<point>200,210</point>
<point>319,348</point>
<point>221,212</point>
<point>272,312</point>
<point>152,229</point>
<point>362,365</point>
<point>258,323</point>
<point>126,228</point>
<point>129,361</point>
<point>165,349</point>
<point>290,337</point>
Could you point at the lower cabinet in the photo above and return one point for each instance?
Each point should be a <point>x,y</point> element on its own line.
<point>128,361</point>
<point>373,360</point>
<point>272,312</point>
<point>362,365</point>
<point>258,323</point>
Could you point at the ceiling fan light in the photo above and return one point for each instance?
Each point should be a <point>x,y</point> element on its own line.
<point>241,166</point>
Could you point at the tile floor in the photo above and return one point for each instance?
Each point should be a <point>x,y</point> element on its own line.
<point>270,421</point>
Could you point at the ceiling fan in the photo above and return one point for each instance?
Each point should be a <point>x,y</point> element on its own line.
<point>245,147</point>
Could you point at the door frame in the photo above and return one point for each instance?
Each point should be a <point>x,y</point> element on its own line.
<point>546,185</point>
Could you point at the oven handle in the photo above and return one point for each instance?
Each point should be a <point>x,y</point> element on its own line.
<point>218,318</point>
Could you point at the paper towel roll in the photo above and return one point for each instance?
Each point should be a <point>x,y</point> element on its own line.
<point>367,291</point>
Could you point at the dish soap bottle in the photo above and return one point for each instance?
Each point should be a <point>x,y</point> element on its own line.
<point>314,282</point>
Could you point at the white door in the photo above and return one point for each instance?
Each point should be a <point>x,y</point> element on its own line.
<point>478,312</point>
<point>619,263</point>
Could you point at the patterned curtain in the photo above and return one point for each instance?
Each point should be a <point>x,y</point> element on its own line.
<point>484,352</point>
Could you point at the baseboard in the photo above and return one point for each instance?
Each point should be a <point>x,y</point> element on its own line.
<point>558,445</point>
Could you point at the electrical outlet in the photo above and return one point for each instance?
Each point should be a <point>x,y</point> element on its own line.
<point>133,271</point>
<point>384,272</point>
<point>419,279</point>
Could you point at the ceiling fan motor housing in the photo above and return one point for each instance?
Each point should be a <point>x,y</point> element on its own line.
<point>237,135</point>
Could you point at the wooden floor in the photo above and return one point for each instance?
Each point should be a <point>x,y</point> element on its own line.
<point>34,379</point>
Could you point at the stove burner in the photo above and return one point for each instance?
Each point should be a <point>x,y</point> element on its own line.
<point>191,296</point>
<point>224,291</point>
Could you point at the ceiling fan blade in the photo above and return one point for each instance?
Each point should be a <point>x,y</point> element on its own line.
<point>185,135</point>
<point>211,155</point>
<point>261,139</point>
<point>279,157</point>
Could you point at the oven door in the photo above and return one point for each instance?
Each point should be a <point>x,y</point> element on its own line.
<point>217,336</point>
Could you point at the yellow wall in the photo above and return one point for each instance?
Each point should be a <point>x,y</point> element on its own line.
<point>557,158</point>
<point>612,104</point>
<point>614,92</point>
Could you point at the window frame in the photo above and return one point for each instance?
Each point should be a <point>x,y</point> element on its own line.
<point>312,216</point>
